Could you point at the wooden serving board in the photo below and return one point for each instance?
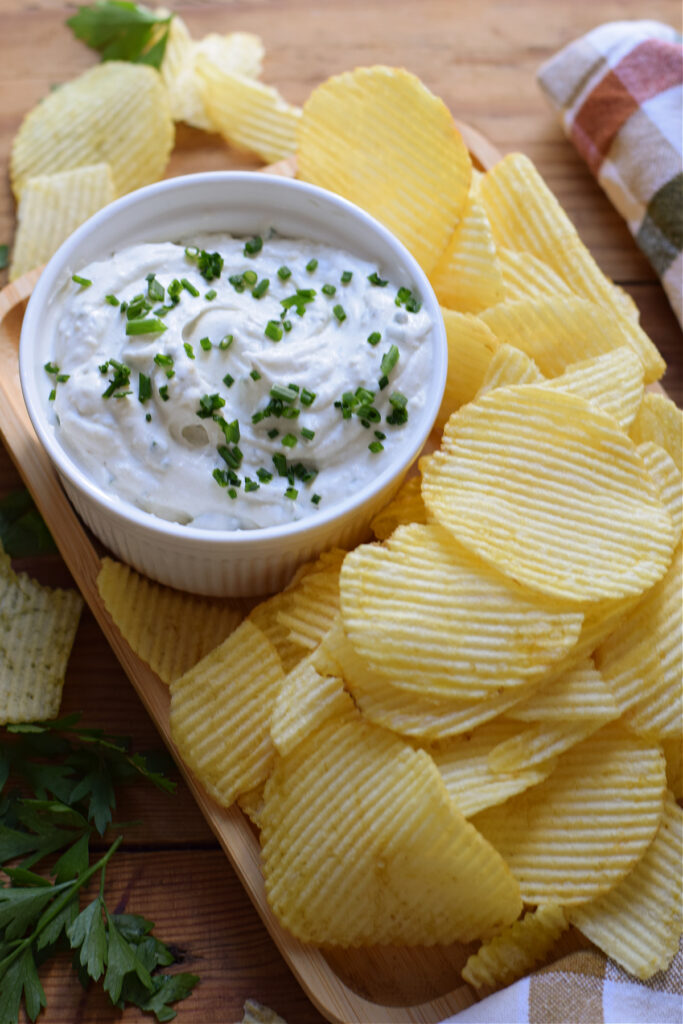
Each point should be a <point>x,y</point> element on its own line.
<point>390,985</point>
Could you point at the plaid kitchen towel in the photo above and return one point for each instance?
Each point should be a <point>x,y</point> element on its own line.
<point>619,90</point>
<point>584,988</point>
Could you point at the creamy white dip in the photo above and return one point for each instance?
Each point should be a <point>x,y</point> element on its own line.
<point>154,418</point>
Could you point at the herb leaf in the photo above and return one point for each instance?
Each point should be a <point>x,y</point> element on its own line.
<point>88,936</point>
<point>4,256</point>
<point>122,30</point>
<point>22,530</point>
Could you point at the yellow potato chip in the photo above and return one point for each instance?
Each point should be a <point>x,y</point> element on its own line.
<point>525,216</point>
<point>673,754</point>
<point>256,1013</point>
<point>251,804</point>
<point>436,620</point>
<point>545,487</point>
<point>532,746</point>
<point>51,207</point>
<point>37,630</point>
<point>314,603</point>
<point>305,700</point>
<point>471,347</point>
<point>221,710</point>
<point>641,659</point>
<point>638,923</point>
<point>613,382</point>
<point>238,52</point>
<point>467,276</point>
<point>403,711</point>
<point>465,768</point>
<point>515,951</point>
<point>115,113</point>
<point>362,845</point>
<point>266,615</point>
<point>169,629</point>
<point>405,507</point>
<point>381,119</point>
<point>573,696</point>
<point>509,366</point>
<point>249,115</point>
<point>578,833</point>
<point>556,332</point>
<point>527,277</point>
<point>667,479</point>
<point>659,420</point>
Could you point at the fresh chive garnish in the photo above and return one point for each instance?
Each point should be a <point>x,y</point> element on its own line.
<point>151,326</point>
<point>208,404</point>
<point>376,446</point>
<point>237,281</point>
<point>51,368</point>
<point>148,417</point>
<point>375,279</point>
<point>62,378</point>
<point>211,294</point>
<point>250,276</point>
<point>346,276</point>
<point>189,287</point>
<point>328,289</point>
<point>261,288</point>
<point>273,330</point>
<point>155,291</point>
<point>292,493</point>
<point>280,463</point>
<point>307,397</point>
<point>161,359</point>
<point>226,341</point>
<point>189,351</point>
<point>228,380</point>
<point>253,245</point>
<point>312,265</point>
<point>163,391</point>
<point>339,313</point>
<point>232,492</point>
<point>289,441</point>
<point>287,325</point>
<point>374,338</point>
<point>206,344</point>
<point>144,387</point>
<point>51,397</point>
<point>264,476</point>
<point>308,434</point>
<point>284,273</point>
<point>83,281</point>
<point>286,392</point>
<point>383,382</point>
<point>315,500</point>
<point>111,299</point>
<point>231,431</point>
<point>221,477</point>
<point>272,434</point>
<point>174,290</point>
<point>389,360</point>
<point>250,485</point>
<point>120,377</point>
<point>210,264</point>
<point>380,436</point>
<point>233,456</point>
<point>255,375</point>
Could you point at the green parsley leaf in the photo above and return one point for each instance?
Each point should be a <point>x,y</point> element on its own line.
<point>22,530</point>
<point>122,30</point>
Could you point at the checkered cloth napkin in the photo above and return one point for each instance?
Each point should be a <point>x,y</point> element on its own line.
<point>584,988</point>
<point>619,90</point>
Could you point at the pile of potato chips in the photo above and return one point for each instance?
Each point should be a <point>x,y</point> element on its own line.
<point>470,728</point>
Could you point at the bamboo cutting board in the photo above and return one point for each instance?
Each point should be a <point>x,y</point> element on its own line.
<point>389,985</point>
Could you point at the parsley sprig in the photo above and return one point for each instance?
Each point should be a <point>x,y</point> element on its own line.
<point>121,30</point>
<point>57,791</point>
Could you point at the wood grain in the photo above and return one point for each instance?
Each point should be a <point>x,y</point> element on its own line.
<point>481,58</point>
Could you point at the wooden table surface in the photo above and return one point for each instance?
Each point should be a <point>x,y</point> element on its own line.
<point>480,56</point>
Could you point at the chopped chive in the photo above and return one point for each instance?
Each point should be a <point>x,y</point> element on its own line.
<point>292,493</point>
<point>253,246</point>
<point>261,288</point>
<point>232,492</point>
<point>228,380</point>
<point>112,300</point>
<point>148,417</point>
<point>375,279</point>
<point>189,351</point>
<point>380,436</point>
<point>315,500</point>
<point>374,338</point>
<point>163,391</point>
<point>232,456</point>
<point>210,264</point>
<point>144,387</point>
<point>308,434</point>
<point>174,289</point>
<point>389,360</point>
<point>162,310</point>
<point>287,392</point>
<point>289,441</point>
<point>287,325</point>
<point>284,273</point>
<point>307,397</point>
<point>62,378</point>
<point>250,276</point>
<point>328,289</point>
<point>161,359</point>
<point>155,291</point>
<point>273,330</point>
<point>151,326</point>
<point>189,287</point>
<point>250,485</point>
<point>264,476</point>
<point>231,431</point>
<point>346,276</point>
<point>237,281</point>
<point>255,375</point>
<point>273,433</point>
<point>51,368</point>
<point>376,446</point>
<point>280,463</point>
<point>83,281</point>
<point>208,404</point>
<point>221,477</point>
<point>312,265</point>
<point>192,252</point>
<point>52,395</point>
<point>383,382</point>
<point>339,313</point>
<point>124,307</point>
<point>206,344</point>
<point>226,341</point>
<point>211,294</point>
<point>398,400</point>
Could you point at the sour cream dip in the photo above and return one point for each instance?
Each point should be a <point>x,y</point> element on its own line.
<point>235,383</point>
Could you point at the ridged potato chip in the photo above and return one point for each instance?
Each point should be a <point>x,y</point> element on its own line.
<point>405,507</point>
<point>673,754</point>
<point>383,119</point>
<point>314,603</point>
<point>641,659</point>
<point>467,276</point>
<point>249,115</point>
<point>661,421</point>
<point>525,216</point>
<point>266,615</point>
<point>37,630</point>
<point>509,366</point>
<point>404,711</point>
<point>527,277</point>
<point>362,845</point>
<point>573,696</point>
<point>667,479</point>
<point>471,347</point>
<point>115,113</point>
<point>515,951</point>
<point>540,741</point>
<point>546,488</point>
<point>221,710</point>
<point>578,833</point>
<point>556,332</point>
<point>51,207</point>
<point>251,804</point>
<point>169,629</point>
<point>638,923</point>
<point>465,768</point>
<point>613,382</point>
<point>437,621</point>
<point>305,700</point>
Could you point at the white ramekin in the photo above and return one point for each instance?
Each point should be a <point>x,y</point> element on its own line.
<point>222,562</point>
